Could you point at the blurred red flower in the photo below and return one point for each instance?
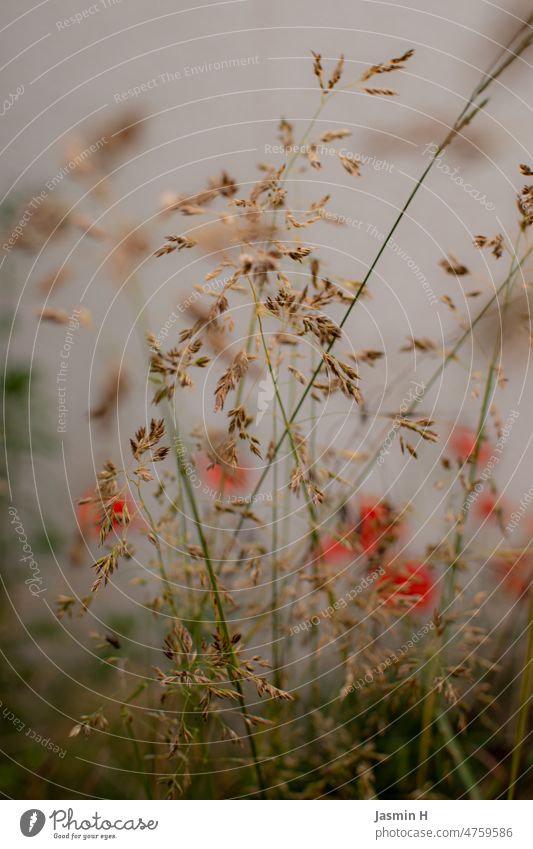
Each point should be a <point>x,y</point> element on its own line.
<point>377,525</point>
<point>410,583</point>
<point>488,507</point>
<point>463,443</point>
<point>517,578</point>
<point>223,478</point>
<point>90,514</point>
<point>334,550</point>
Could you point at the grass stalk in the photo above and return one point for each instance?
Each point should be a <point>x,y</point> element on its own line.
<point>525,704</point>
<point>233,663</point>
<point>458,756</point>
<point>430,699</point>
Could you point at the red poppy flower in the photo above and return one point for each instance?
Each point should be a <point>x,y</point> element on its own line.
<point>90,514</point>
<point>411,583</point>
<point>333,550</point>
<point>463,444</point>
<point>488,507</point>
<point>376,525</point>
<point>517,578</point>
<point>223,478</point>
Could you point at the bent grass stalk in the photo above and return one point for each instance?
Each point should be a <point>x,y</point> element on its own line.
<point>274,613</point>
<point>233,663</point>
